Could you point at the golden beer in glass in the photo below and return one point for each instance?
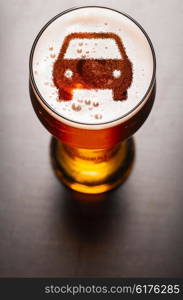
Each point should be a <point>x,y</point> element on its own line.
<point>92,155</point>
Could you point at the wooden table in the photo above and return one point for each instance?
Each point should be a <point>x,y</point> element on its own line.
<point>138,230</point>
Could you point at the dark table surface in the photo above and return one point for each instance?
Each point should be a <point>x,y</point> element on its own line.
<point>138,229</point>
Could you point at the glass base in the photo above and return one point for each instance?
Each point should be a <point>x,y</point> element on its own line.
<point>92,171</point>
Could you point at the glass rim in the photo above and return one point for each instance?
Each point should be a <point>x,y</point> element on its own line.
<point>67,120</point>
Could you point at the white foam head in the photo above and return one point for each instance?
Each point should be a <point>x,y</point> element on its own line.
<point>95,106</point>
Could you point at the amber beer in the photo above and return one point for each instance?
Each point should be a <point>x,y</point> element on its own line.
<point>88,138</point>
<point>92,151</point>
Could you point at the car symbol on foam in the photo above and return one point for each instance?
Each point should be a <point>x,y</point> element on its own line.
<point>92,61</point>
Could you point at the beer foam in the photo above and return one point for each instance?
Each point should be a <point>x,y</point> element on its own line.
<point>92,106</point>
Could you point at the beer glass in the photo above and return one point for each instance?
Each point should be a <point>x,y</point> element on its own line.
<point>89,102</point>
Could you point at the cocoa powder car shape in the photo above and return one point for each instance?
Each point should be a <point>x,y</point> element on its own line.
<point>92,61</point>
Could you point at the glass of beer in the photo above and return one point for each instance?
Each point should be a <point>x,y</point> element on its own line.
<point>92,85</point>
